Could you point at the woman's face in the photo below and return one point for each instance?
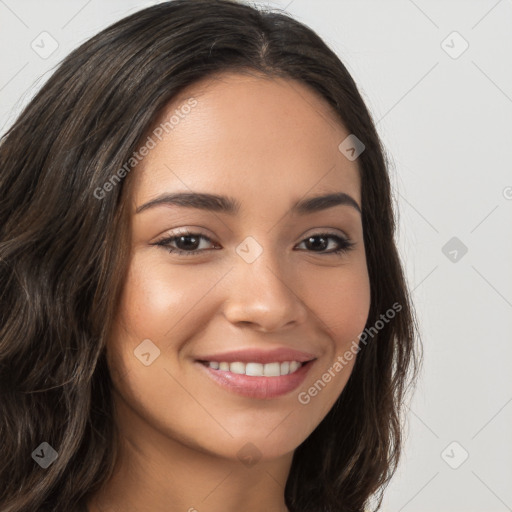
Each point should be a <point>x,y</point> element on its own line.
<point>259,278</point>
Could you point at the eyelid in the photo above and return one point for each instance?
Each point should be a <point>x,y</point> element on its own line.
<point>170,237</point>
<point>345,243</point>
<point>325,231</point>
<point>199,231</point>
<point>189,231</point>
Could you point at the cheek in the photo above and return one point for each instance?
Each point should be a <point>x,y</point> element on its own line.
<point>341,300</point>
<point>159,299</point>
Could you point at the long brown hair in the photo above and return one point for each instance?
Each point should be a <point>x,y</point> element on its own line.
<point>64,255</point>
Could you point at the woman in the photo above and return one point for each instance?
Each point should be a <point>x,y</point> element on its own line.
<point>202,303</point>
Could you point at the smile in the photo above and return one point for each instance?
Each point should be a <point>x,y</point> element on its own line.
<point>274,369</point>
<point>248,379</point>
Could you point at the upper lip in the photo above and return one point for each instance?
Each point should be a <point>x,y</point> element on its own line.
<point>259,356</point>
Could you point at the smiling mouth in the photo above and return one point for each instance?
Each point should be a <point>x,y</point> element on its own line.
<point>257,380</point>
<point>252,369</point>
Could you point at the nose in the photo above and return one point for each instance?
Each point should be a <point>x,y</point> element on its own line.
<point>262,296</point>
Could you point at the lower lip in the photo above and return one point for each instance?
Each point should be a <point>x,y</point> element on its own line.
<point>258,387</point>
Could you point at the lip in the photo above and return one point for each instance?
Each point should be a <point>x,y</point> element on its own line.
<point>278,355</point>
<point>263,388</point>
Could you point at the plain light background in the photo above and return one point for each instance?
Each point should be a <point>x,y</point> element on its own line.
<point>444,112</point>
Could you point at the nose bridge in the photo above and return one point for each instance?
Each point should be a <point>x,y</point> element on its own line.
<point>260,291</point>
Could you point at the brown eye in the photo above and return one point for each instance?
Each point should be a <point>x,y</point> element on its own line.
<point>186,244</point>
<point>320,242</point>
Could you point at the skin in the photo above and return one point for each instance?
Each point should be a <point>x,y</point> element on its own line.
<point>267,143</point>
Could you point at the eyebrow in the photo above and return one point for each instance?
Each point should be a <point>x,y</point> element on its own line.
<point>230,206</point>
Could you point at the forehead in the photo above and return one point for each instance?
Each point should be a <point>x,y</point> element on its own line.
<point>251,135</point>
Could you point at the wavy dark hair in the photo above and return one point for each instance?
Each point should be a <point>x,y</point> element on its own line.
<point>64,255</point>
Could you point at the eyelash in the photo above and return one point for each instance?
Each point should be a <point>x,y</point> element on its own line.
<point>345,244</point>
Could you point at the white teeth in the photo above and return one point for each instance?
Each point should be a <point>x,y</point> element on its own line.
<point>257,369</point>
<point>272,369</point>
<point>237,368</point>
<point>294,365</point>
